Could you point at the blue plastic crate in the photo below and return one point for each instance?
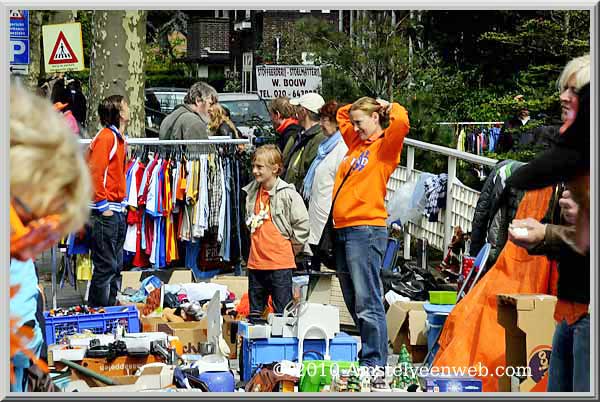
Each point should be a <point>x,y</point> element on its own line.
<point>436,317</point>
<point>260,351</point>
<point>58,328</point>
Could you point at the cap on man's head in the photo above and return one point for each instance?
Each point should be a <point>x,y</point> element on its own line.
<point>311,101</point>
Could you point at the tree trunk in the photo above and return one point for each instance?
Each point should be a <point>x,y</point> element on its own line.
<point>36,19</point>
<point>117,65</point>
<point>62,16</point>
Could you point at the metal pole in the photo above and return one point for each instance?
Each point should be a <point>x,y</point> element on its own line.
<point>410,165</point>
<point>53,268</point>
<point>449,201</point>
<point>155,141</point>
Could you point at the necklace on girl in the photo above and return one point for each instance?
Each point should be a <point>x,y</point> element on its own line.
<point>256,220</point>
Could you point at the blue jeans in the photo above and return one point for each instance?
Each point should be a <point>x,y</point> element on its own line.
<point>359,255</point>
<point>192,249</point>
<point>570,359</point>
<point>263,283</point>
<point>108,237</point>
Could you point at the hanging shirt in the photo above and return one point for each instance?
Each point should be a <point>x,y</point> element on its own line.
<point>143,189</point>
<point>268,248</point>
<point>460,144</point>
<point>152,194</point>
<point>223,204</point>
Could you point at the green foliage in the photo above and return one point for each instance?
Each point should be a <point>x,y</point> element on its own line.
<point>373,57</point>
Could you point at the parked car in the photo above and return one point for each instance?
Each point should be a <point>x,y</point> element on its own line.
<point>165,97</point>
<point>159,102</point>
<point>248,112</point>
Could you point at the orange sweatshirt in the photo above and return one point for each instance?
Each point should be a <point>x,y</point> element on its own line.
<point>106,159</point>
<point>361,198</point>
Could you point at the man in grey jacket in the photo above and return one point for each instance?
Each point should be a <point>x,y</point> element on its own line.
<point>307,142</point>
<point>190,120</point>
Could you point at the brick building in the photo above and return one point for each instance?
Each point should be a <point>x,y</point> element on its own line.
<point>219,39</point>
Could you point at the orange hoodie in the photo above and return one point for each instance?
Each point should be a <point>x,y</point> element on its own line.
<point>106,159</point>
<point>361,198</point>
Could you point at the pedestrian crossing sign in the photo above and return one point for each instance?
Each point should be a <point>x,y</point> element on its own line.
<point>63,47</point>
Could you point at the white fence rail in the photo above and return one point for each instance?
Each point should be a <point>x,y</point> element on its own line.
<point>460,199</point>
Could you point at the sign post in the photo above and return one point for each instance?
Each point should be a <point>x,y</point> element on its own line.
<point>19,41</point>
<point>273,81</point>
<point>63,47</point>
<point>247,64</point>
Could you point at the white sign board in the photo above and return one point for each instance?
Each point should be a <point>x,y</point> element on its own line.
<point>247,61</point>
<point>63,47</point>
<point>273,81</point>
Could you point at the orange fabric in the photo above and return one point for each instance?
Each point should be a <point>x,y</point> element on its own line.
<point>99,151</point>
<point>570,311</point>
<point>471,333</point>
<point>182,183</point>
<point>361,199</point>
<point>243,308</point>
<point>268,248</point>
<point>285,124</point>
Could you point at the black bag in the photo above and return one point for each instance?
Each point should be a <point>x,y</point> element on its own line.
<point>326,246</point>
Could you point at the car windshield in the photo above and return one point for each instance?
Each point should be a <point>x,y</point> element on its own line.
<point>168,100</point>
<point>244,110</point>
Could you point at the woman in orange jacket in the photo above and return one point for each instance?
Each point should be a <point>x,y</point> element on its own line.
<point>359,214</point>
<point>106,160</point>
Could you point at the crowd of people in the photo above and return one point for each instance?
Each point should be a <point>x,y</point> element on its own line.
<point>326,175</point>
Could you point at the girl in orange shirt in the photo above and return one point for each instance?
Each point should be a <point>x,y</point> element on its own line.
<point>278,221</point>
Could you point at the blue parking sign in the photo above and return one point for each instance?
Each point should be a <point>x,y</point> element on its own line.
<point>19,23</point>
<point>19,51</point>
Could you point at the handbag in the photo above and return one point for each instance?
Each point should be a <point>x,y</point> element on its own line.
<point>326,246</point>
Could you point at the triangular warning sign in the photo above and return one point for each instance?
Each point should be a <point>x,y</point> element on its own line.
<point>62,53</point>
<point>16,15</point>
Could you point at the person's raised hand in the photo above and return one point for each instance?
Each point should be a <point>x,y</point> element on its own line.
<point>384,104</point>
<point>569,207</point>
<point>526,233</point>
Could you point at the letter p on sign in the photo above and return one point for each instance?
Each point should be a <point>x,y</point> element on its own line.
<point>19,51</point>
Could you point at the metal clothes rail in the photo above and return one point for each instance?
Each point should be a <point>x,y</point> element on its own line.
<point>468,123</point>
<point>215,140</point>
<point>155,141</point>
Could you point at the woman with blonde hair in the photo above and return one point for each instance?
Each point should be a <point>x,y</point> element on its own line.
<point>359,213</point>
<point>565,236</point>
<point>220,124</point>
<point>49,194</point>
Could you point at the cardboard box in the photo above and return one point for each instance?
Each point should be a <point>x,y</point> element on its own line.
<point>150,324</point>
<point>151,378</point>
<point>230,331</point>
<point>439,383</point>
<point>133,279</point>
<point>120,366</point>
<point>235,284</point>
<point>406,325</point>
<point>190,333</point>
<point>529,325</point>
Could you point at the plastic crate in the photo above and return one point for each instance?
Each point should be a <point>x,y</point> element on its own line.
<point>436,318</point>
<point>442,297</point>
<point>317,374</point>
<point>261,351</point>
<point>57,328</point>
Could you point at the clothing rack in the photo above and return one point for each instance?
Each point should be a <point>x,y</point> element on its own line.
<point>215,140</point>
<point>468,123</point>
<point>155,141</point>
